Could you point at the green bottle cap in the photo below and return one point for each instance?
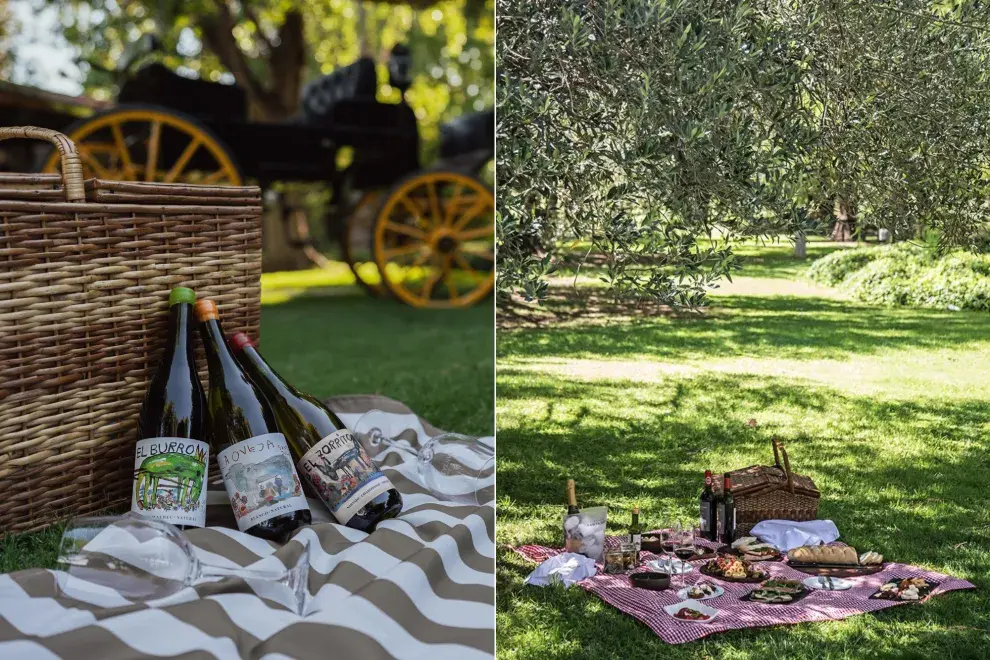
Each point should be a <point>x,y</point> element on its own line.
<point>181,294</point>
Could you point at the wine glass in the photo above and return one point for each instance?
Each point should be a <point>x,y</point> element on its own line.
<point>143,559</point>
<point>454,467</point>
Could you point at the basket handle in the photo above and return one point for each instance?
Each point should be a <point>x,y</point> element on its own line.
<point>777,444</point>
<point>72,172</point>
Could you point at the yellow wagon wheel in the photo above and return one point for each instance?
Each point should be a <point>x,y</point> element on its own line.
<point>435,240</point>
<point>149,144</point>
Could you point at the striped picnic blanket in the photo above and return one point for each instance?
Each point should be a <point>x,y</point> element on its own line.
<point>735,614</point>
<point>420,586</point>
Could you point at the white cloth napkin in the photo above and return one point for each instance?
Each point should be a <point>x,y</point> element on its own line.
<point>566,569</point>
<point>788,534</point>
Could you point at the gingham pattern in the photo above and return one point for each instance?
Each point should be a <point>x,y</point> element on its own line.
<point>420,586</point>
<point>734,614</point>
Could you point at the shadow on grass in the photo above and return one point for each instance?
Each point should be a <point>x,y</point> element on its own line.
<point>905,478</point>
<point>775,327</point>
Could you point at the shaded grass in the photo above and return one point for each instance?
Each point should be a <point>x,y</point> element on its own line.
<point>438,362</point>
<point>887,410</point>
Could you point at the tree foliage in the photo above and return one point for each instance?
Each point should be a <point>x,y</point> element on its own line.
<point>272,47</point>
<point>634,128</point>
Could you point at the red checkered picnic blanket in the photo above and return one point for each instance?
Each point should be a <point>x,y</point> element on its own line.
<point>647,606</point>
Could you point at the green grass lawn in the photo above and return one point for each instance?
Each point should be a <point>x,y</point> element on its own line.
<point>887,409</point>
<point>331,341</point>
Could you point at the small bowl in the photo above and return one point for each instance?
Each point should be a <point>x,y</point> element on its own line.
<point>650,580</point>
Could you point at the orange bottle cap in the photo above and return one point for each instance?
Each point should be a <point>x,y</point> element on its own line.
<point>206,310</point>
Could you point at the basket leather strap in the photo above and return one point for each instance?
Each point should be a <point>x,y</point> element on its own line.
<point>72,172</point>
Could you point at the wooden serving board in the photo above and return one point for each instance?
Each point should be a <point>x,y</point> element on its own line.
<point>794,598</point>
<point>736,552</point>
<point>835,570</point>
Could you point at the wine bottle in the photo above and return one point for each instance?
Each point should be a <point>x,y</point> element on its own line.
<point>709,529</point>
<point>327,454</point>
<point>572,520</point>
<point>171,458</point>
<point>572,506</point>
<point>636,533</point>
<point>254,459</point>
<point>727,512</point>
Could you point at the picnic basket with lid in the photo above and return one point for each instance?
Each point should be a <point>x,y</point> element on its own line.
<point>771,493</point>
<point>85,273</point>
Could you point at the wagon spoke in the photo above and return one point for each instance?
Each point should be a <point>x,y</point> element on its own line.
<point>470,214</point>
<point>399,251</point>
<point>435,215</point>
<point>451,205</point>
<point>463,263</point>
<point>449,282</point>
<point>94,164</point>
<point>478,232</point>
<point>215,177</point>
<point>413,210</point>
<point>427,290</point>
<point>180,164</point>
<point>404,229</point>
<point>125,155</point>
<point>151,165</point>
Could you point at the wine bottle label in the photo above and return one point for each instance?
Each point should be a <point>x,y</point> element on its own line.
<point>169,480</point>
<point>637,540</point>
<point>260,479</point>
<point>343,474</point>
<point>706,517</point>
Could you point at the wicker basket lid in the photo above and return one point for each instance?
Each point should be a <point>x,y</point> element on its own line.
<point>757,478</point>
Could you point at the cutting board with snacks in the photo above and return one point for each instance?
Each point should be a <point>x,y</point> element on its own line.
<point>907,589</point>
<point>733,569</point>
<point>750,549</point>
<point>834,561</point>
<point>777,592</point>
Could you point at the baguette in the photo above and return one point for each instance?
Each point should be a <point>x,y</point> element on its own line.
<point>824,554</point>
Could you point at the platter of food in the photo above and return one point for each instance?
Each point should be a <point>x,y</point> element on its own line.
<point>777,592</point>
<point>751,549</point>
<point>732,569</point>
<point>834,561</point>
<point>691,611</point>
<point>701,591</point>
<point>905,589</point>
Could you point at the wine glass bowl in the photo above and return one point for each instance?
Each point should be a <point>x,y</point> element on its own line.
<point>142,559</point>
<point>454,467</point>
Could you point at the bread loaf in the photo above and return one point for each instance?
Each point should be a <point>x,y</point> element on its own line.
<point>824,554</point>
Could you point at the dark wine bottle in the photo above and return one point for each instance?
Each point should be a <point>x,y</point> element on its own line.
<point>727,513</point>
<point>171,458</point>
<point>254,459</point>
<point>709,529</point>
<point>327,454</point>
<point>636,533</point>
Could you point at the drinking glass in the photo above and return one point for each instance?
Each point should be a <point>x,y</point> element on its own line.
<point>454,467</point>
<point>670,540</point>
<point>143,559</point>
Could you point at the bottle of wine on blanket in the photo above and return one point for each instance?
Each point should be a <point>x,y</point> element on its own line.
<point>254,459</point>
<point>171,456</point>
<point>327,454</point>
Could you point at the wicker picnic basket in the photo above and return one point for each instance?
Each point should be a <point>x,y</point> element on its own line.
<point>85,272</point>
<point>771,493</point>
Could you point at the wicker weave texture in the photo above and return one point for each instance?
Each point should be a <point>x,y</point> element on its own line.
<point>83,314</point>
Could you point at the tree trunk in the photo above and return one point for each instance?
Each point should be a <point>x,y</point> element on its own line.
<point>276,252</point>
<point>844,228</point>
<point>800,246</point>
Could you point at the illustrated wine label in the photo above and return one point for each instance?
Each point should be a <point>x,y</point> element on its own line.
<point>343,474</point>
<point>637,540</point>
<point>260,479</point>
<point>169,480</point>
<point>706,517</point>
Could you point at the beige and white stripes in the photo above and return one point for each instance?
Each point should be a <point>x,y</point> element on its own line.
<point>420,586</point>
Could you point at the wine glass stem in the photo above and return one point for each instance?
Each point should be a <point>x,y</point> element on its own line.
<point>210,571</point>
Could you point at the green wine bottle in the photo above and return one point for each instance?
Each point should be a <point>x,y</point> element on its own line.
<point>326,453</point>
<point>255,461</point>
<point>171,458</point>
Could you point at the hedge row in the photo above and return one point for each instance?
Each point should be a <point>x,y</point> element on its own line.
<point>907,274</point>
